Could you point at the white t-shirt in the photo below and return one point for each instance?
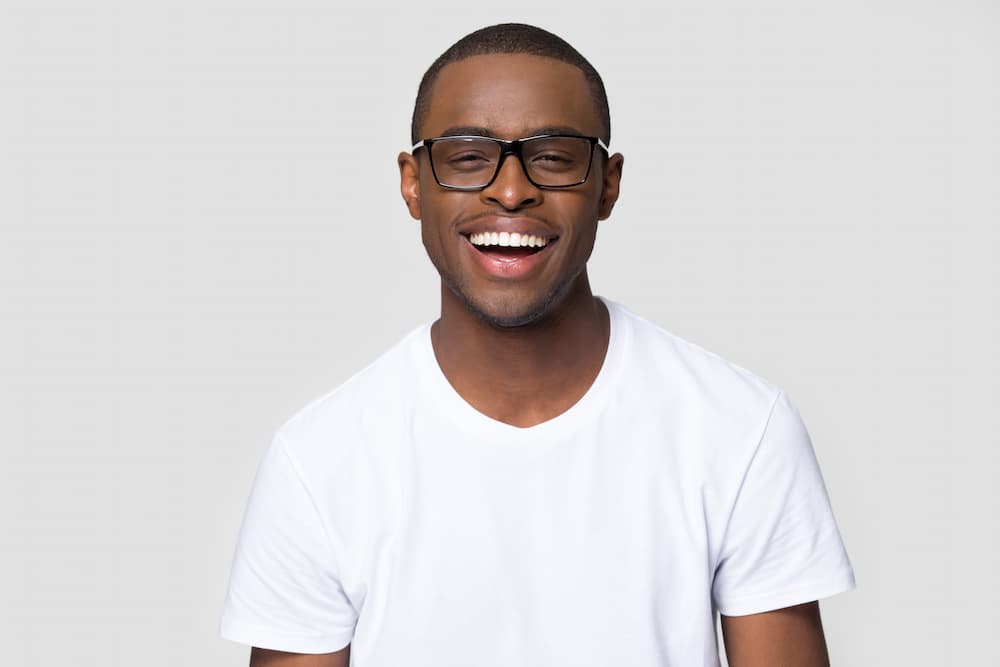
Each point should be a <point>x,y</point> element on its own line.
<point>391,515</point>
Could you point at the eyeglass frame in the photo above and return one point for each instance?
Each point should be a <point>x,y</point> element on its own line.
<point>510,147</point>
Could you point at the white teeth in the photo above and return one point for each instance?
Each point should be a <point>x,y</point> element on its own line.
<point>514,240</point>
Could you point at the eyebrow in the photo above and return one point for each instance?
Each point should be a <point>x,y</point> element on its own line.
<point>476,131</point>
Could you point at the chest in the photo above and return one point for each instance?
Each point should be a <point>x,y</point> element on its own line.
<point>543,549</point>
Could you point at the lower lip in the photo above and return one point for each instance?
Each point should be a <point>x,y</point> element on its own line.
<point>508,267</point>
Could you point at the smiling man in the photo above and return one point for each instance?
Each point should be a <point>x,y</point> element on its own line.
<point>539,477</point>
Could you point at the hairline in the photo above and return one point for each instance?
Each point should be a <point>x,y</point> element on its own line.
<point>539,43</point>
<point>421,114</point>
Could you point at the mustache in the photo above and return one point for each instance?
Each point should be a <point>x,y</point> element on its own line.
<point>502,214</point>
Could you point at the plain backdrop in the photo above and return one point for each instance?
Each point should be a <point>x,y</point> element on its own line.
<point>201,230</point>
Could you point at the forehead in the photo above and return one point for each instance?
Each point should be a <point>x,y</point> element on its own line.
<point>511,96</point>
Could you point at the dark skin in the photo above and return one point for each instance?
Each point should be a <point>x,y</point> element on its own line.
<point>524,348</point>
<point>521,375</point>
<point>790,637</point>
<point>260,657</point>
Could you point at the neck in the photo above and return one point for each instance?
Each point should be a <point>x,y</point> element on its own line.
<point>528,374</point>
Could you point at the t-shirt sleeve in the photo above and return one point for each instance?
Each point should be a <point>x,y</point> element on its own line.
<point>285,590</point>
<point>781,546</point>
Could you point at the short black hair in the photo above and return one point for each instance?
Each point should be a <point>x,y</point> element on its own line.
<point>511,38</point>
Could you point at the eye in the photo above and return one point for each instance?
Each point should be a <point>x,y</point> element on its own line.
<point>467,157</point>
<point>553,160</point>
<point>468,161</point>
<point>552,157</point>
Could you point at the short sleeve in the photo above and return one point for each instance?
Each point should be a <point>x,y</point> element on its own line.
<point>284,590</point>
<point>781,546</point>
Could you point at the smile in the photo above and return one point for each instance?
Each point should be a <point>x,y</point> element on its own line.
<point>506,255</point>
<point>506,239</point>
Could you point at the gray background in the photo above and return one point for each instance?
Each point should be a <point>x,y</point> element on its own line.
<point>200,230</point>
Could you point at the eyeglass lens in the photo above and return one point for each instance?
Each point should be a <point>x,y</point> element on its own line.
<point>549,161</point>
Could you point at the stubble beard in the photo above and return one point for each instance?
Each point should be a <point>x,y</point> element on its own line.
<point>501,317</point>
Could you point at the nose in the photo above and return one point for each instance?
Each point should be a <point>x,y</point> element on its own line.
<point>511,189</point>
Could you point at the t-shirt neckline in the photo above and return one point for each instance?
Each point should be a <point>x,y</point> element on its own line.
<point>443,398</point>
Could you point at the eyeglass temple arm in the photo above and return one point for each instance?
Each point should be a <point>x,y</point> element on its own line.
<point>600,142</point>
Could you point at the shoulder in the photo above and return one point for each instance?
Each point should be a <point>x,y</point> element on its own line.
<point>369,402</point>
<point>684,372</point>
<point>710,413</point>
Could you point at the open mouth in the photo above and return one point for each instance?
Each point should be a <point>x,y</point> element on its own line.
<point>508,245</point>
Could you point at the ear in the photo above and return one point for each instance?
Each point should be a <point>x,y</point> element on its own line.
<point>409,183</point>
<point>610,187</point>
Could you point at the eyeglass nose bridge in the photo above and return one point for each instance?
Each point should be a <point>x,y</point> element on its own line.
<point>514,148</point>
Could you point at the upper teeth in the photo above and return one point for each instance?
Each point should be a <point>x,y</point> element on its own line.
<point>507,239</point>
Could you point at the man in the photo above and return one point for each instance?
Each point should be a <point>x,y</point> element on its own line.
<point>539,477</point>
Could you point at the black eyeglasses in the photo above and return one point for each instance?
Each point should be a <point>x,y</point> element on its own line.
<point>548,160</point>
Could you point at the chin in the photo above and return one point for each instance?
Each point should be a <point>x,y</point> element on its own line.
<point>512,307</point>
<point>508,320</point>
<point>510,313</point>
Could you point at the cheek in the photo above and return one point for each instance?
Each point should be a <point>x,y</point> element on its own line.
<point>431,236</point>
<point>579,210</point>
<point>442,209</point>
<point>437,223</point>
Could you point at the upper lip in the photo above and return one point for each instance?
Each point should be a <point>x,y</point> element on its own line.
<point>504,223</point>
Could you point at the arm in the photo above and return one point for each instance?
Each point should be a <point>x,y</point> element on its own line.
<point>284,590</point>
<point>262,657</point>
<point>790,637</point>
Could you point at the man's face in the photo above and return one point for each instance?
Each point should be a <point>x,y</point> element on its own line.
<point>510,96</point>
